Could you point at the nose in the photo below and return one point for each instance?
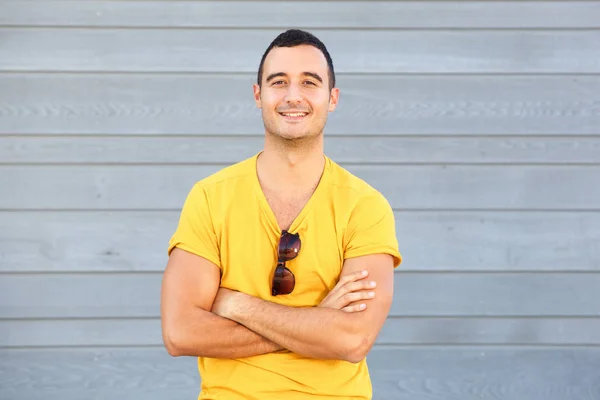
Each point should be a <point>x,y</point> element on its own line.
<point>294,94</point>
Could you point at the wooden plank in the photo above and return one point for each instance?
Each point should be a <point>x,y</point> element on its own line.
<point>97,375</point>
<point>80,332</point>
<point>81,296</point>
<point>384,105</point>
<point>240,50</point>
<point>489,241</point>
<point>320,14</point>
<point>422,187</point>
<point>463,241</point>
<point>479,372</point>
<point>397,331</point>
<point>490,331</point>
<point>397,374</point>
<point>106,241</point>
<point>127,150</point>
<point>101,295</point>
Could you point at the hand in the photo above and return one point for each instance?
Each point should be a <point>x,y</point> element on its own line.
<point>348,292</point>
<point>224,302</point>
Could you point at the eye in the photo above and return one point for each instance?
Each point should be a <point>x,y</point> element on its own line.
<point>310,82</point>
<point>278,82</point>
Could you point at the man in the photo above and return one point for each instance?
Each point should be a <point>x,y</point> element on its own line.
<point>280,274</point>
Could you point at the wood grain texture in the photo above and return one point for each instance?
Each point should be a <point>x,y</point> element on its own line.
<point>423,187</point>
<point>369,149</point>
<point>396,331</point>
<point>320,14</point>
<point>356,51</point>
<point>97,375</point>
<point>490,331</point>
<point>397,374</point>
<point>131,241</point>
<point>373,104</point>
<point>490,373</point>
<point>101,295</point>
<point>478,120</point>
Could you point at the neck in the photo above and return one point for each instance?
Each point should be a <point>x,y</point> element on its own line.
<point>291,165</point>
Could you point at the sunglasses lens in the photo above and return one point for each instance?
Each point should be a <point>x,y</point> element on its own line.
<point>283,281</point>
<point>289,246</point>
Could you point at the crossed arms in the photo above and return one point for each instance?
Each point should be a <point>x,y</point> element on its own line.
<point>201,319</point>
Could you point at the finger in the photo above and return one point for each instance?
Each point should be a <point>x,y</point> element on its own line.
<point>356,296</point>
<point>349,298</point>
<point>350,278</point>
<point>354,276</point>
<point>355,308</point>
<point>358,285</point>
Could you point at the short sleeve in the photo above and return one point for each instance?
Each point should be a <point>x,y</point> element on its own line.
<point>372,229</point>
<point>195,231</point>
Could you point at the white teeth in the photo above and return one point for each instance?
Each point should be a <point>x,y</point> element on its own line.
<point>294,114</point>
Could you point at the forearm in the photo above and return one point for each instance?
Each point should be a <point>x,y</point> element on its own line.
<point>322,333</point>
<point>204,334</point>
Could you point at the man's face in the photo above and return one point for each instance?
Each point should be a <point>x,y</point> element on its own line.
<point>295,98</point>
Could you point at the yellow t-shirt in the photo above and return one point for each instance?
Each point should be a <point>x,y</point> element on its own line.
<point>227,220</point>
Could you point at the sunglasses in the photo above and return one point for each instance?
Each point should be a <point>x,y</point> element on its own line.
<point>283,280</point>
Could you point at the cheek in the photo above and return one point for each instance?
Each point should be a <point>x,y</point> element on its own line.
<point>270,99</point>
<point>322,105</point>
<point>321,99</point>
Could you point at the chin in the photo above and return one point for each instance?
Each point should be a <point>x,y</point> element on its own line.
<point>296,132</point>
<point>287,135</point>
<point>294,135</point>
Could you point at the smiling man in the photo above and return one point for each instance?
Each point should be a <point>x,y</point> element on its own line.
<point>280,273</point>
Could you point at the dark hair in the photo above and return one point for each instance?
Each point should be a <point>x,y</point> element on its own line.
<point>297,37</point>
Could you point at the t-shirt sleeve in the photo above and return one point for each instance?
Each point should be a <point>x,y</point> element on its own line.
<point>195,231</point>
<point>372,229</point>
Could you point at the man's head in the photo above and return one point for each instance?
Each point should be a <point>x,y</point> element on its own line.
<point>296,86</point>
<point>296,37</point>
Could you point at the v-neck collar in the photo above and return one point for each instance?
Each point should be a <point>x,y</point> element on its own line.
<point>321,186</point>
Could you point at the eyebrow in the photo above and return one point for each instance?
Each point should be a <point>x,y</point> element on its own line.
<point>283,74</point>
<point>312,74</point>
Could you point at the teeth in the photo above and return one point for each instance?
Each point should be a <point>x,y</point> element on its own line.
<point>294,114</point>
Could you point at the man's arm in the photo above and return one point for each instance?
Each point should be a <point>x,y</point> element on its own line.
<point>189,328</point>
<point>319,332</point>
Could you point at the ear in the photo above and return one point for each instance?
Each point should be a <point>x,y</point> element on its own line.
<point>333,99</point>
<point>256,89</point>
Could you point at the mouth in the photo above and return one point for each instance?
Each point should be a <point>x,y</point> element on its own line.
<point>294,116</point>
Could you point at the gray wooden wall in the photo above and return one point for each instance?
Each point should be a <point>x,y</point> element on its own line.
<point>479,120</point>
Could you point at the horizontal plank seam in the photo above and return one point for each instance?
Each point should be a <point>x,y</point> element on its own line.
<point>480,346</point>
<point>559,136</point>
<point>401,271</point>
<point>312,28</point>
<point>342,163</point>
<point>355,1</point>
<point>432,211</point>
<point>389,318</point>
<point>349,163</point>
<point>348,1</point>
<point>416,210</point>
<point>398,271</point>
<point>339,74</point>
<point>83,319</point>
<point>376,346</point>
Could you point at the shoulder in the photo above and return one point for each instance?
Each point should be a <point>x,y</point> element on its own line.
<point>352,189</point>
<point>369,224</point>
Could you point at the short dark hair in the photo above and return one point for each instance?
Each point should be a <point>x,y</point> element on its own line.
<point>297,37</point>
